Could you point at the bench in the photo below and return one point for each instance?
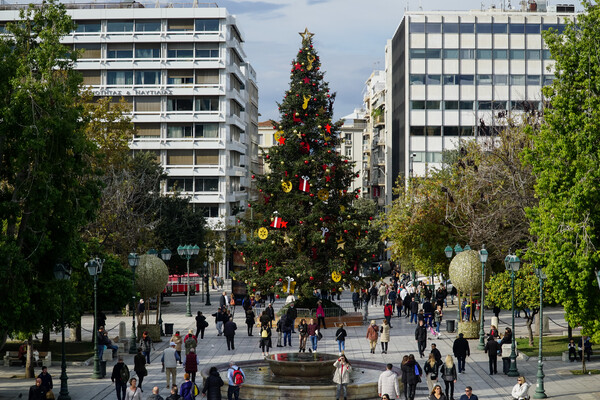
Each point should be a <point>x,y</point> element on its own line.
<point>594,356</point>
<point>12,358</point>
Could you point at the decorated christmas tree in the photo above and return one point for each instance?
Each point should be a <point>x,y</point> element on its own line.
<point>304,225</point>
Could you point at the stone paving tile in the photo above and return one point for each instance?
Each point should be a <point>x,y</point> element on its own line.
<point>559,383</point>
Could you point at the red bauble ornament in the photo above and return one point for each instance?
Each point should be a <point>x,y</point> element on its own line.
<point>357,174</point>
<point>300,222</point>
<point>329,151</point>
<point>311,278</point>
<point>328,96</point>
<point>276,296</point>
<point>373,255</point>
<point>280,279</point>
<point>316,115</point>
<point>249,205</point>
<point>253,176</point>
<point>371,218</point>
<point>321,219</point>
<point>297,95</point>
<point>356,196</point>
<point>345,161</point>
<point>268,156</point>
<point>312,195</point>
<point>254,289</point>
<point>241,253</point>
<point>345,230</point>
<point>305,161</point>
<point>260,190</point>
<point>239,221</point>
<point>303,134</point>
<point>295,176</point>
<point>306,115</point>
<point>343,272</point>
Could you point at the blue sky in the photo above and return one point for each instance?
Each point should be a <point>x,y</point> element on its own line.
<point>350,36</point>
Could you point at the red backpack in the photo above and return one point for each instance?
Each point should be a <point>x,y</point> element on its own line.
<point>238,377</point>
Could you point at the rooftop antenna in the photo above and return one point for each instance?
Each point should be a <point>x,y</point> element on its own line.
<point>420,5</point>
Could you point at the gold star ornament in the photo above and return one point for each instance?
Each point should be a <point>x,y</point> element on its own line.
<point>306,35</point>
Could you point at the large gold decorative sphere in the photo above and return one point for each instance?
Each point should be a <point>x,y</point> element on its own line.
<point>465,271</point>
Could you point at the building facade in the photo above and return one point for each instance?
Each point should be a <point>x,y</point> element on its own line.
<point>191,91</point>
<point>352,133</point>
<point>450,74</point>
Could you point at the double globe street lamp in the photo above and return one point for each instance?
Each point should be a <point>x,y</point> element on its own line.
<point>94,267</point>
<point>512,264</point>
<point>483,256</point>
<point>540,393</point>
<point>187,252</point>
<point>134,261</point>
<point>449,252</point>
<point>63,273</point>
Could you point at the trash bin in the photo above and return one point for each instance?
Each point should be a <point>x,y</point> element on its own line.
<point>102,368</point>
<point>168,329</point>
<point>450,325</point>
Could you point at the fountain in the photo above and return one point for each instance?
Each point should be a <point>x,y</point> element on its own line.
<point>302,376</point>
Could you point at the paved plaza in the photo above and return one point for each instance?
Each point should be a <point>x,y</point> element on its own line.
<point>559,382</point>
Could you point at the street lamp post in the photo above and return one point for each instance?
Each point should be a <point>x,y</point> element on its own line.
<point>187,252</point>
<point>483,256</point>
<point>209,272</point>
<point>165,255</point>
<point>63,273</point>
<point>512,264</point>
<point>94,267</point>
<point>134,261</point>
<point>540,393</point>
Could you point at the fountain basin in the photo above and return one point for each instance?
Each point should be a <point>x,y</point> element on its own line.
<point>303,365</point>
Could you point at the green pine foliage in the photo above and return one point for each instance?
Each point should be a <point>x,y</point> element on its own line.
<point>321,231</point>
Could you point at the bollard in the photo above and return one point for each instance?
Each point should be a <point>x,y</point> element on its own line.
<point>494,321</point>
<point>122,330</point>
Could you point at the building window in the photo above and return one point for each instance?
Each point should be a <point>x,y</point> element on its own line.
<point>348,151</point>
<point>465,105</point>
<point>180,77</point>
<point>433,130</point>
<point>147,25</point>
<point>451,54</point>
<point>417,27</point>
<point>207,50</point>
<point>119,50</point>
<point>517,54</point>
<point>500,28</point>
<point>433,104</point>
<point>151,131</point>
<point>207,103</point>
<point>234,159</point>
<point>91,77</point>
<point>235,108</point>
<point>434,157</point>
<point>484,28</point>
<point>88,51</point>
<point>434,79</point>
<point>517,79</point>
<point>484,54</point>
<point>533,54</point>
<point>119,26</point>
<point>184,25</point>
<point>533,80</point>
<point>516,28</point>
<point>451,27</point>
<point>151,77</point>
<point>451,105</point>
<point>499,105</point>
<point>466,131</point>
<point>235,58</point>
<point>180,50</point>
<point>180,184</point>
<point>207,25</point>
<point>180,104</point>
<point>484,105</point>
<point>500,54</point>
<point>179,131</point>
<point>180,157</point>
<point>425,53</point>
<point>451,80</point>
<point>548,79</point>
<point>417,105</point>
<point>235,133</point>
<point>501,80</point>
<point>546,54</point>
<point>467,54</point>
<point>207,157</point>
<point>119,77</point>
<point>207,185</point>
<point>417,79</point>
<point>484,79</point>
<point>560,28</point>
<point>433,27</point>
<point>147,104</point>
<point>147,50</point>
<point>207,76</point>
<point>466,79</point>
<point>532,29</point>
<point>88,27</point>
<point>210,211</point>
<point>235,83</point>
<point>467,28</point>
<point>417,130</point>
<point>207,131</point>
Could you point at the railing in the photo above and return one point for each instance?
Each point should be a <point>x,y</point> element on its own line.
<point>123,4</point>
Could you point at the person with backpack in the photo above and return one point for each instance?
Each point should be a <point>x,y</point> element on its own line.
<point>448,372</point>
<point>412,373</point>
<point>188,390</point>
<point>146,344</point>
<point>120,377</point>
<point>265,339</point>
<point>236,378</point>
<point>201,325</point>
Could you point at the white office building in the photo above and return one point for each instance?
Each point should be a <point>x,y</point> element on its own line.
<point>192,92</point>
<point>447,72</point>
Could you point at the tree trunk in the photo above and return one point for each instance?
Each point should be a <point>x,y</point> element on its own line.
<point>78,331</point>
<point>529,329</point>
<point>45,345</point>
<point>29,372</point>
<point>583,369</point>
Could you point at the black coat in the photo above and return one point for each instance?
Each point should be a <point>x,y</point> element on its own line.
<point>460,348</point>
<point>229,328</point>
<point>250,316</point>
<point>341,334</point>
<point>448,374</point>
<point>408,371</point>
<point>492,347</point>
<point>270,312</point>
<point>434,371</point>
<point>292,313</point>
<point>414,307</point>
<point>201,322</point>
<point>212,386</point>
<point>421,333</point>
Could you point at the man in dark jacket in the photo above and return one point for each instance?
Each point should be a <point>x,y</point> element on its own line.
<point>414,310</point>
<point>117,379</point>
<point>412,378</point>
<point>392,296</point>
<point>356,301</point>
<point>492,347</point>
<point>271,313</point>
<point>229,331</point>
<point>421,338</point>
<point>436,353</point>
<point>461,350</point>
<point>292,314</point>
<point>36,392</point>
<point>428,311</point>
<point>46,379</point>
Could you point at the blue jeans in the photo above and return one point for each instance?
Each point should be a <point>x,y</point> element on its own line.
<point>314,340</point>
<point>233,392</point>
<point>342,345</point>
<point>413,316</point>
<point>120,388</point>
<point>437,326</point>
<point>147,354</point>
<point>461,363</point>
<point>287,338</point>
<point>100,351</point>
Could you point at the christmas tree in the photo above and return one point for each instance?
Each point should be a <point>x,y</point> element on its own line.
<point>304,226</point>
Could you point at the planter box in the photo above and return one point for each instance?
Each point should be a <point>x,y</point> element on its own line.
<point>153,331</point>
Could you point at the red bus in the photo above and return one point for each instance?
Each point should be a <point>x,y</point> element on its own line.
<point>178,284</point>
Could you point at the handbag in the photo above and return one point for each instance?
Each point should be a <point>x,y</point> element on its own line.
<point>319,335</point>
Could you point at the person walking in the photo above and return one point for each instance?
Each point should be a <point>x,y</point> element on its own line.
<point>372,335</point>
<point>521,389</point>
<point>437,394</point>
<point>35,391</point>
<point>448,371</point>
<point>436,353</point>
<point>133,392</point>
<point>146,344</point>
<point>229,331</point>
<point>356,301</point>
<point>302,335</point>
<point>155,394</point>
<point>139,366</point>
<point>461,350</point>
<point>265,339</point>
<point>176,338</point>
<point>46,380</point>
<point>431,369</point>
<point>278,329</point>
<point>414,310</point>
<point>413,372</point>
<point>385,336</point>
<point>271,314</point>
<point>219,320</point>
<point>186,391</point>
<point>250,318</point>
<point>320,314</point>
<point>120,376</point>
<point>387,384</point>
<point>223,300</point>
<point>381,293</point>
<point>201,325</point>
<point>174,395</point>
<point>169,361</point>
<point>403,377</point>
<point>286,328</point>
<point>373,294</point>
<point>340,337</point>
<point>469,394</point>
<point>292,314</point>
<point>492,348</point>
<point>341,376</point>
<point>313,331</point>
<point>388,312</point>
<point>141,309</point>
<point>421,338</point>
<point>212,385</point>
<point>190,364</point>
<point>437,318</point>
<point>236,379</point>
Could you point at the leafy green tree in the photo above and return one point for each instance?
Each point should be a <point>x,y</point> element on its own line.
<point>48,188</point>
<point>304,224</point>
<point>527,293</point>
<point>566,160</point>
